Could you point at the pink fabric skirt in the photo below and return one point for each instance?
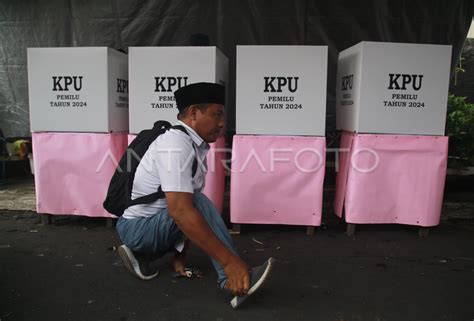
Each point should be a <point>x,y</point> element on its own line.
<point>277,180</point>
<point>73,171</point>
<point>391,178</point>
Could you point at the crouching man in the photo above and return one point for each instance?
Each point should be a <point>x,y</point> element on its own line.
<point>176,162</point>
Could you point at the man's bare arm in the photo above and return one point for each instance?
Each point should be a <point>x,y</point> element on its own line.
<point>193,225</point>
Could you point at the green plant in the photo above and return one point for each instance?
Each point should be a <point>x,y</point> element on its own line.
<point>460,129</point>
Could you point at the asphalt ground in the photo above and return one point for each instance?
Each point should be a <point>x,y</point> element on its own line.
<point>69,270</point>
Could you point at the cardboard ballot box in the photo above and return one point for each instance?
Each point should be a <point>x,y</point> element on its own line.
<point>157,72</point>
<point>80,89</point>
<point>281,90</point>
<point>393,88</point>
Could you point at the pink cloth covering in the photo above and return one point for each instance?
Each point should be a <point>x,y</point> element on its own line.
<point>391,179</point>
<point>73,171</point>
<point>215,178</point>
<point>277,180</point>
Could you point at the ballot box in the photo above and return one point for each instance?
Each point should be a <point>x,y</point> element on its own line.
<point>157,72</point>
<point>80,89</point>
<point>281,90</point>
<point>393,88</point>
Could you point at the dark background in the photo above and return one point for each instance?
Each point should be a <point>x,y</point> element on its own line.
<point>123,23</point>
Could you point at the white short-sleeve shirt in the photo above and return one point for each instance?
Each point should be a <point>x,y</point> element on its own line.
<point>168,162</point>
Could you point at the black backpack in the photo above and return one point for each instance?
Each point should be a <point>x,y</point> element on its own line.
<point>119,194</point>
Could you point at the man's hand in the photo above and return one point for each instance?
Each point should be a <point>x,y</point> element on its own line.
<point>193,225</point>
<point>238,277</point>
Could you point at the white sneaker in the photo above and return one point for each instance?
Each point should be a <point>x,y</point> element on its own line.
<point>141,269</point>
<point>258,275</point>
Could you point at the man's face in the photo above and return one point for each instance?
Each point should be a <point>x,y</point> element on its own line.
<point>209,124</point>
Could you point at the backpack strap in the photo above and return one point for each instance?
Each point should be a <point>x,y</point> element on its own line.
<point>147,199</point>
<point>153,197</point>
<point>195,162</point>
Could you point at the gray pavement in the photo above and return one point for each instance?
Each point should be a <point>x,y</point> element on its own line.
<point>69,271</point>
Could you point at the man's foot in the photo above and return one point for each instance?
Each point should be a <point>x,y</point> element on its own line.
<point>258,275</point>
<point>138,266</point>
